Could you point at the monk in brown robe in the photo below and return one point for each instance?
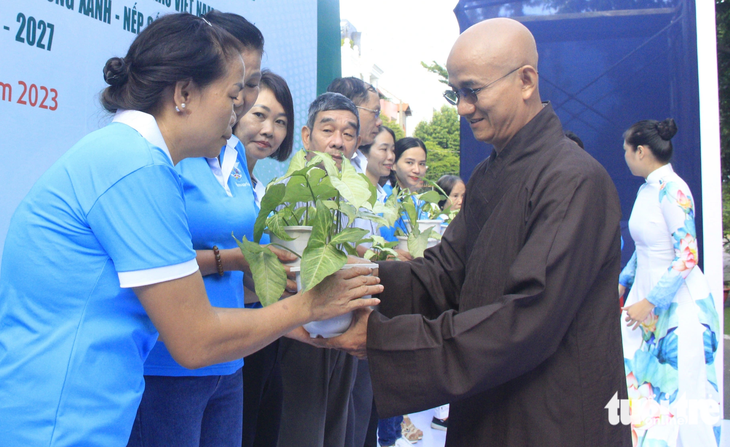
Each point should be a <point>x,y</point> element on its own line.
<point>514,317</point>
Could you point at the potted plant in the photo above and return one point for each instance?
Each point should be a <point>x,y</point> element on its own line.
<point>380,249</point>
<point>312,194</point>
<point>415,235</point>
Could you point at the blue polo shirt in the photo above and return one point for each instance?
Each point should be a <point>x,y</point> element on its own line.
<point>220,202</point>
<point>108,216</point>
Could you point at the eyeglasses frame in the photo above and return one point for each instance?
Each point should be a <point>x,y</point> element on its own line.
<point>473,92</point>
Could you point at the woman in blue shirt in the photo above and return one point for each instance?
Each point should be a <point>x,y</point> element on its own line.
<point>98,257</point>
<point>266,131</point>
<point>200,407</point>
<point>408,173</point>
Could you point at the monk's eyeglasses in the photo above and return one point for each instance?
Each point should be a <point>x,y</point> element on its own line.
<point>470,94</point>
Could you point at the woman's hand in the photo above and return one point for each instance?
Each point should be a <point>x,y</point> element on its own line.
<point>286,256</point>
<point>621,291</point>
<point>339,293</point>
<point>637,313</point>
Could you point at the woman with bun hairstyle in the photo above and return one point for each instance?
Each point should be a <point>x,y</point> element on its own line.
<point>98,257</point>
<point>670,337</point>
<point>204,406</point>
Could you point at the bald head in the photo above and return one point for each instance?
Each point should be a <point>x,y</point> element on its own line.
<point>500,43</point>
<point>498,58</point>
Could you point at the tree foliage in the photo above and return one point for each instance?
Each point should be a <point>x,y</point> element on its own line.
<point>441,161</point>
<point>438,69</point>
<point>443,129</point>
<point>441,136</point>
<point>394,126</point>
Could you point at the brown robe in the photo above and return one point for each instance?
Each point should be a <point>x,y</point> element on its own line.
<point>514,317</point>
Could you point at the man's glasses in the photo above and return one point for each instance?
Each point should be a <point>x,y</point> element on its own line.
<point>375,112</point>
<point>470,94</point>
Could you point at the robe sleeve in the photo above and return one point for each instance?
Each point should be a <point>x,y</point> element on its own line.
<point>418,363</point>
<point>678,211</point>
<point>626,278</point>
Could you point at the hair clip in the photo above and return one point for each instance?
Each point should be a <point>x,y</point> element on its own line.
<point>206,21</point>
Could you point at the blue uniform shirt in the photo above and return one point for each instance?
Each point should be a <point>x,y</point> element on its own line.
<point>109,215</point>
<point>219,201</point>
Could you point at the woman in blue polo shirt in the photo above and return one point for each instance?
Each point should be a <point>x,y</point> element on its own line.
<point>204,406</point>
<point>266,131</point>
<point>98,256</point>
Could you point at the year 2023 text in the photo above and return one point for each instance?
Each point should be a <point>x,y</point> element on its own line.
<point>32,95</point>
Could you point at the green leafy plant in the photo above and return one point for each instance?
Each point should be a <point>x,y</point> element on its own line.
<point>313,193</point>
<point>403,203</point>
<point>380,249</point>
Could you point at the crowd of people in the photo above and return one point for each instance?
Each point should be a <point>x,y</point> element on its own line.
<point>129,315</point>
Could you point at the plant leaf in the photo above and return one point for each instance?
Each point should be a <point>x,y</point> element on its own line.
<point>373,192</point>
<point>391,209</point>
<point>321,227</point>
<point>354,235</point>
<point>297,190</point>
<point>410,208</point>
<point>319,262</point>
<point>430,197</point>
<point>349,211</point>
<point>352,186</point>
<point>351,250</point>
<point>269,202</point>
<point>326,161</point>
<point>417,243</point>
<point>324,189</point>
<point>297,163</point>
<point>363,213</point>
<point>268,273</point>
<point>276,225</point>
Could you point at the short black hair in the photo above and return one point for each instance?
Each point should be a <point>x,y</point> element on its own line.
<point>331,101</point>
<point>355,89</point>
<point>280,89</point>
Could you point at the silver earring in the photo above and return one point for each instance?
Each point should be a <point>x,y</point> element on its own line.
<point>177,109</point>
<point>182,105</point>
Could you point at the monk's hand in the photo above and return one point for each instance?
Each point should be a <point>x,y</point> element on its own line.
<point>301,334</point>
<point>354,340</point>
<point>343,292</point>
<point>637,313</point>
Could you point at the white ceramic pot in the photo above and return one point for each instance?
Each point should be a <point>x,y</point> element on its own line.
<point>402,243</point>
<point>331,327</point>
<point>301,236</point>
